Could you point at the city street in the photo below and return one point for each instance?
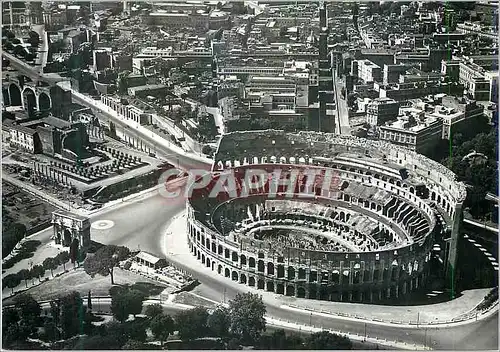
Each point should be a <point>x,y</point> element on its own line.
<point>342,110</point>
<point>476,335</point>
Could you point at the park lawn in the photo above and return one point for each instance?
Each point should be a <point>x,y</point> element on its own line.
<point>78,280</point>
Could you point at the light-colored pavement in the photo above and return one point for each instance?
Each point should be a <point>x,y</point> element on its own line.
<point>43,50</point>
<point>176,250</point>
<point>341,105</point>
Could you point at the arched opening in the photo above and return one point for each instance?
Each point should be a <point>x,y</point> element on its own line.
<point>243,279</point>
<point>270,268</point>
<point>219,269</point>
<point>44,103</point>
<point>280,289</point>
<point>234,257</point>
<point>290,290</point>
<point>207,241</point>
<point>203,258</point>
<point>251,262</point>
<point>260,284</point>
<point>281,271</point>
<point>15,95</point>
<point>29,101</point>
<point>270,286</point>
<point>243,259</point>
<point>214,248</point>
<point>208,262</point>
<point>301,292</point>
<point>66,238</point>
<point>234,276</point>
<point>219,249</point>
<point>226,253</point>
<point>260,266</point>
<point>291,273</point>
<point>312,292</point>
<point>227,273</point>
<point>251,281</point>
<point>302,273</point>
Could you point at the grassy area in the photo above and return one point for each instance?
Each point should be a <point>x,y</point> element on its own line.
<point>192,300</point>
<point>78,280</point>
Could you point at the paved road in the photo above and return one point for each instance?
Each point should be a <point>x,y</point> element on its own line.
<point>481,335</point>
<point>141,222</point>
<point>43,50</point>
<point>342,111</point>
<point>185,160</point>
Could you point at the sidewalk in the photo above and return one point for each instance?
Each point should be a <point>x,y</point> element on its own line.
<point>175,247</point>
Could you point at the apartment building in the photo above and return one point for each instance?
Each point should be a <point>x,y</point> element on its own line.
<point>480,83</point>
<point>413,130</point>
<point>457,114</point>
<point>369,71</point>
<point>381,110</point>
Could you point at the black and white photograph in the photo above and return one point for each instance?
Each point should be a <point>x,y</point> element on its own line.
<point>250,175</point>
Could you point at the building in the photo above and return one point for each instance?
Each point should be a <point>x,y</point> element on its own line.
<point>457,114</point>
<point>412,90</point>
<point>25,138</point>
<point>196,19</point>
<point>149,260</point>
<point>369,72</point>
<point>368,238</point>
<point>154,90</point>
<point>102,59</point>
<point>50,136</point>
<point>450,70</point>
<point>480,83</point>
<point>413,130</point>
<point>392,72</point>
<point>130,112</point>
<point>381,110</point>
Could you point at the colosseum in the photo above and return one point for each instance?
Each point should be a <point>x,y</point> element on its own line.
<point>366,235</point>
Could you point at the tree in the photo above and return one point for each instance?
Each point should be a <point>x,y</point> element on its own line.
<point>25,275</point>
<point>219,322</point>
<point>104,261</point>
<point>34,38</point>
<point>19,51</point>
<point>89,301</point>
<point>50,264</point>
<point>72,315</point>
<point>126,302</point>
<point>192,323</point>
<point>154,310</point>
<point>162,326</point>
<point>55,311</point>
<point>10,316</point>
<point>38,271</point>
<point>325,340</point>
<point>11,281</point>
<point>62,258</point>
<point>51,331</point>
<point>28,307</point>
<point>247,317</point>
<point>133,345</point>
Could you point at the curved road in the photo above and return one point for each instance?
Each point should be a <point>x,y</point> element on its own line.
<point>140,223</point>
